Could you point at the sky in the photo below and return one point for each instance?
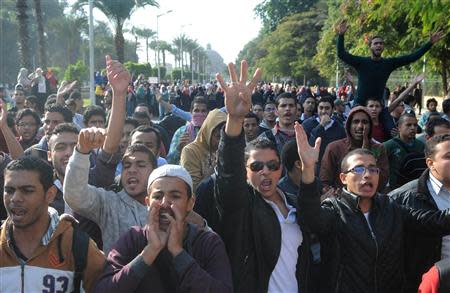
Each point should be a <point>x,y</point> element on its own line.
<point>225,24</point>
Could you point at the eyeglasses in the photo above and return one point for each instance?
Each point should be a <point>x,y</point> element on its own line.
<point>257,166</point>
<point>26,124</point>
<point>360,170</point>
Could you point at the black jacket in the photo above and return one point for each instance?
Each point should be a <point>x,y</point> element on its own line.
<point>421,251</point>
<point>249,225</point>
<point>355,258</point>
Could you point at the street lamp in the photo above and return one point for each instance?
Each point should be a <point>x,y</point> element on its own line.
<point>181,48</point>
<point>157,42</point>
<point>192,72</point>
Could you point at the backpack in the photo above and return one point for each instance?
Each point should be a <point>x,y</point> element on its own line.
<point>412,165</point>
<point>80,246</point>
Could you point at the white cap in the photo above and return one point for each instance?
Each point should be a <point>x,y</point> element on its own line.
<point>169,170</point>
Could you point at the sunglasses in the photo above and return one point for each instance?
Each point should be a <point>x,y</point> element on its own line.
<point>360,170</point>
<point>257,166</point>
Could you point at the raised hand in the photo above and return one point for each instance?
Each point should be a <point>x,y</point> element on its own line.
<point>176,231</point>
<point>366,138</point>
<point>308,155</point>
<point>64,88</point>
<point>436,36</point>
<point>238,95</point>
<point>341,27</point>
<point>3,115</point>
<point>156,238</point>
<point>184,140</point>
<point>418,79</point>
<point>90,138</point>
<point>118,76</point>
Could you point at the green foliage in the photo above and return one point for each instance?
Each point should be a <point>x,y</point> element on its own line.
<point>139,68</point>
<point>272,12</point>
<point>176,74</point>
<point>78,71</point>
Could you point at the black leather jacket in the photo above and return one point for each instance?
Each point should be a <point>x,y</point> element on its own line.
<point>421,251</point>
<point>359,257</point>
<point>250,228</point>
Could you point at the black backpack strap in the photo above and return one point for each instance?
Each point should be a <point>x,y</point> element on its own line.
<point>443,267</point>
<point>80,246</point>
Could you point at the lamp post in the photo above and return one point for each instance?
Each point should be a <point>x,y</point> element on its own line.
<point>192,72</point>
<point>181,48</point>
<point>91,53</point>
<point>157,42</point>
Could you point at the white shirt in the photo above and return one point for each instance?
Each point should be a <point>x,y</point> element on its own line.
<point>67,209</point>
<point>441,196</point>
<point>326,126</point>
<point>283,278</point>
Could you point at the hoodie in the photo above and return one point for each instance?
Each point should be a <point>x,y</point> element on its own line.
<point>330,167</point>
<point>197,157</point>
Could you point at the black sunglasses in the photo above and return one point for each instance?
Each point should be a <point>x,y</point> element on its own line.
<point>257,166</point>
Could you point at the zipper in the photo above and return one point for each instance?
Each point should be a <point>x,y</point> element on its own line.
<point>22,277</point>
<point>374,238</point>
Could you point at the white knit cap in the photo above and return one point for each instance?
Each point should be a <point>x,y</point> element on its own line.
<point>169,170</point>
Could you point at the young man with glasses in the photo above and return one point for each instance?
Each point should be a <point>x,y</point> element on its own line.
<point>361,231</point>
<point>269,251</point>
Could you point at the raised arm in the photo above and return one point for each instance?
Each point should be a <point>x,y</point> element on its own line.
<point>14,148</point>
<point>406,59</point>
<point>231,183</point>
<point>172,108</point>
<point>319,219</point>
<point>119,79</point>
<point>405,93</point>
<point>344,55</point>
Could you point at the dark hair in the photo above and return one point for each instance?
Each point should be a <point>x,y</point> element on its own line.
<point>446,106</point>
<point>148,129</point>
<point>269,102</point>
<point>65,112</point>
<point>260,143</point>
<point>404,116</point>
<point>327,99</point>
<point>51,101</point>
<point>75,95</point>
<point>284,96</point>
<point>362,152</point>
<point>430,146</point>
<point>429,128</point>
<point>252,115</point>
<point>65,127</point>
<point>34,164</point>
<point>199,100</point>
<point>32,99</point>
<point>28,112</point>
<point>289,155</point>
<point>91,111</point>
<point>140,148</point>
<point>432,100</point>
<point>141,115</point>
<point>131,121</point>
<point>373,38</point>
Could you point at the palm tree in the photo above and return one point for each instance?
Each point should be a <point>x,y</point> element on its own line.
<point>146,34</point>
<point>181,42</point>
<point>164,46</point>
<point>24,34</point>
<point>118,12</point>
<point>136,37</point>
<point>41,37</point>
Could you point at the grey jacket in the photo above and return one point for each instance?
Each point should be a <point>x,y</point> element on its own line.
<point>113,212</point>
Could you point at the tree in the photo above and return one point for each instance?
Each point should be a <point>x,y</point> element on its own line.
<point>118,12</point>
<point>145,34</point>
<point>404,25</point>
<point>272,12</point>
<point>78,71</point>
<point>24,34</point>
<point>41,36</point>
<point>164,47</point>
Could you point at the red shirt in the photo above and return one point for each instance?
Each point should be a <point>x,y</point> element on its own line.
<point>378,133</point>
<point>430,281</point>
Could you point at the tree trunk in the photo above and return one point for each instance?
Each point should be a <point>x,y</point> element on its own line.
<point>119,42</point>
<point>41,37</point>
<point>136,45</point>
<point>164,57</point>
<point>146,47</point>
<point>444,77</point>
<point>24,37</point>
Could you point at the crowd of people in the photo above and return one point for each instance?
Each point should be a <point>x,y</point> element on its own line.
<point>239,186</point>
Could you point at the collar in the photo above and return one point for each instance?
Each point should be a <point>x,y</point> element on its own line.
<point>435,184</point>
<point>54,221</point>
<point>328,126</point>
<point>352,199</point>
<point>58,184</point>
<point>292,211</point>
<point>277,130</point>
